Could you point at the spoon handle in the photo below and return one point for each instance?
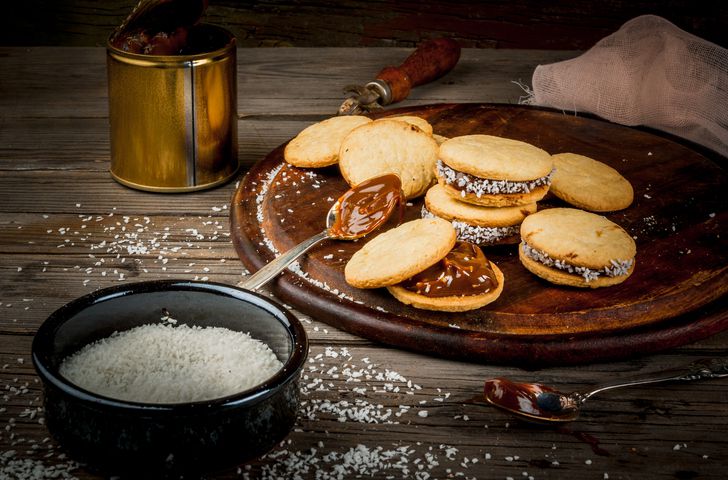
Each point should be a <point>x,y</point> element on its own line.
<point>698,370</point>
<point>277,265</point>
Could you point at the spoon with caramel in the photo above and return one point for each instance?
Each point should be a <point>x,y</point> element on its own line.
<point>543,404</point>
<point>358,212</point>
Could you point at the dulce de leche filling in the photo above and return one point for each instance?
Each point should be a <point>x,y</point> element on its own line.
<point>366,206</point>
<point>464,271</point>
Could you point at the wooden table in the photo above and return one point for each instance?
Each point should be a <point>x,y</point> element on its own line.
<point>67,229</point>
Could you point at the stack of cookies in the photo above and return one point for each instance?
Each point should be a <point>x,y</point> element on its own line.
<point>575,247</point>
<point>480,190</point>
<point>429,268</point>
<point>487,185</point>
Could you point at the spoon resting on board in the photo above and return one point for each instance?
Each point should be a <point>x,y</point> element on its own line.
<point>544,404</point>
<point>358,212</point>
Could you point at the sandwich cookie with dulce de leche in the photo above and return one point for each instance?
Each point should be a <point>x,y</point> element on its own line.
<point>474,223</point>
<point>422,265</point>
<point>494,171</point>
<point>572,247</point>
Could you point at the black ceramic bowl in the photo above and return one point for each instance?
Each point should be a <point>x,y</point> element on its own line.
<point>184,439</point>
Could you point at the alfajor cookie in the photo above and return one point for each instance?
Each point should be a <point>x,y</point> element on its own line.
<point>590,184</point>
<point>318,145</point>
<point>463,280</point>
<point>494,171</point>
<point>572,247</point>
<point>390,146</point>
<point>476,224</point>
<point>399,253</point>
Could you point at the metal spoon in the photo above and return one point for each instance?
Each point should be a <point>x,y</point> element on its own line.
<point>369,193</point>
<point>544,404</point>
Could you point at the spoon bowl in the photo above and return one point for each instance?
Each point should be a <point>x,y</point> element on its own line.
<point>525,400</point>
<point>539,403</point>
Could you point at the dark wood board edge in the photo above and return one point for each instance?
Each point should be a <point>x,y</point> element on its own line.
<point>524,352</point>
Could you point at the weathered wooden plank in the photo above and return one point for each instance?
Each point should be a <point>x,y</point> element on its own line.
<point>641,431</point>
<point>485,430</point>
<point>62,82</point>
<point>83,143</point>
<point>518,24</point>
<point>95,192</point>
<point>48,259</point>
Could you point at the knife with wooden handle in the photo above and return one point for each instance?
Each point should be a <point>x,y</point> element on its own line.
<point>430,61</point>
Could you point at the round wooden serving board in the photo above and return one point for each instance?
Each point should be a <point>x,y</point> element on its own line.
<point>676,295</point>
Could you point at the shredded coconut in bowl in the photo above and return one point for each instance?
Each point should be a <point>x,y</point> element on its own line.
<point>162,363</point>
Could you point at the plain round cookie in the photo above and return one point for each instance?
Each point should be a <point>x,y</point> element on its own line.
<point>420,122</point>
<point>318,145</point>
<point>399,253</point>
<point>590,184</point>
<point>577,237</point>
<point>450,304</point>
<point>561,277</point>
<point>496,158</point>
<point>390,146</point>
<point>444,205</point>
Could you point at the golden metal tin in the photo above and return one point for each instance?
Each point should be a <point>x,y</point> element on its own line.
<point>173,118</point>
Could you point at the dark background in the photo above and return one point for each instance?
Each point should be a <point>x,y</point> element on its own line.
<point>533,24</point>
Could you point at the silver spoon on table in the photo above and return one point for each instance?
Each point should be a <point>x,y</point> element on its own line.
<point>544,404</point>
<point>358,212</point>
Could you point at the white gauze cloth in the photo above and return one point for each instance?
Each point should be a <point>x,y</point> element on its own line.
<point>649,73</point>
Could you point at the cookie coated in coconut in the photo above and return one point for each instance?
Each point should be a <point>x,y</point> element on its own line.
<point>474,223</point>
<point>494,171</point>
<point>572,247</point>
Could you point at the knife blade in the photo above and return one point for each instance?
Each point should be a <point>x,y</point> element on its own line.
<point>430,61</point>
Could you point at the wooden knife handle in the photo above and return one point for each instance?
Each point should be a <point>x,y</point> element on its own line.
<point>431,60</point>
